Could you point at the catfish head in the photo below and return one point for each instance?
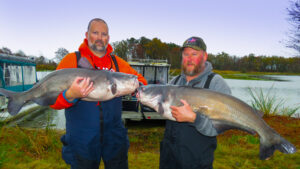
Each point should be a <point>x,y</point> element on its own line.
<point>123,84</point>
<point>153,96</point>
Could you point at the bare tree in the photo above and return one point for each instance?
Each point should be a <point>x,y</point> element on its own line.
<point>294,19</point>
<point>121,49</point>
<point>6,50</point>
<point>40,60</point>
<point>20,53</point>
<point>60,54</point>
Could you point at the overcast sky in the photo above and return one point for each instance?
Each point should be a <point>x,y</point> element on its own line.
<point>237,27</point>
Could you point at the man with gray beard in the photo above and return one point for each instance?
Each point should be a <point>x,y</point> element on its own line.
<point>183,145</point>
<point>94,130</point>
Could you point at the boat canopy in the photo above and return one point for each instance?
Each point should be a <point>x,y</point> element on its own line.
<point>17,73</point>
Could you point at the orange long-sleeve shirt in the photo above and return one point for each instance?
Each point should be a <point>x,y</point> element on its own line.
<point>105,62</point>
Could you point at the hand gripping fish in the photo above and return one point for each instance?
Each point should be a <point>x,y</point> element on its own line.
<point>222,111</point>
<point>107,85</point>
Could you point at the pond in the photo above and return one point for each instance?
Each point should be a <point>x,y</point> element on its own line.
<point>287,90</point>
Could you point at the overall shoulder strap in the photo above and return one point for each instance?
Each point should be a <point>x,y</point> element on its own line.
<point>115,62</point>
<point>208,80</point>
<point>78,56</point>
<point>176,79</point>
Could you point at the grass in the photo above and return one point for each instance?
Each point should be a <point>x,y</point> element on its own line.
<point>25,148</point>
<point>268,103</point>
<point>40,148</point>
<point>239,150</point>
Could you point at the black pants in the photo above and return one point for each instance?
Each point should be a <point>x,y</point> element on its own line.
<point>183,147</point>
<point>174,156</point>
<point>120,161</point>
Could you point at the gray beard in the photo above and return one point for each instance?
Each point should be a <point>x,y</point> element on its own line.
<point>100,50</point>
<point>94,47</point>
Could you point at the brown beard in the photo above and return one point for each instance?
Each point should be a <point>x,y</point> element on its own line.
<point>197,69</point>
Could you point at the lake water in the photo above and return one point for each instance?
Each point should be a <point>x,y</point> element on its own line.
<point>288,90</point>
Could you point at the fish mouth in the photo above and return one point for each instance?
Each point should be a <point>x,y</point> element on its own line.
<point>137,94</point>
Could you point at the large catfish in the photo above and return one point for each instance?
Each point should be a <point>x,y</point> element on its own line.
<point>223,111</point>
<point>107,85</point>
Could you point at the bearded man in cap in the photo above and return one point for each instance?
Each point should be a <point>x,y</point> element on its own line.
<point>185,144</point>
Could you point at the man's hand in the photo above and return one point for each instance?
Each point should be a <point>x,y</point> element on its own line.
<point>80,88</point>
<point>183,113</point>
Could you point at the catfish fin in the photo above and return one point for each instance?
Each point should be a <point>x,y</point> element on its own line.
<point>222,126</point>
<point>266,149</point>
<point>15,101</point>
<point>260,113</point>
<point>201,109</point>
<point>160,109</point>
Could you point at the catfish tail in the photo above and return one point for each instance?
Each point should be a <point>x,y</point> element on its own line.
<point>268,147</point>
<point>15,102</point>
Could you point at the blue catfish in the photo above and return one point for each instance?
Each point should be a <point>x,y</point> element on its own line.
<point>223,111</point>
<point>107,85</point>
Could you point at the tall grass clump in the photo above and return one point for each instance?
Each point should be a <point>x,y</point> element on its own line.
<point>289,111</point>
<point>269,104</point>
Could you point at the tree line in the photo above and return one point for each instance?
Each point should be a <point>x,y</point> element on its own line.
<point>144,48</point>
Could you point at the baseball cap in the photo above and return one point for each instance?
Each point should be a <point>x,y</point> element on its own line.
<point>195,43</point>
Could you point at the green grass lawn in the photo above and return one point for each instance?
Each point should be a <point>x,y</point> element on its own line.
<point>41,149</point>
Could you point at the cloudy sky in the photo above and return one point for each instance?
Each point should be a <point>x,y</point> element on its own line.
<point>237,27</point>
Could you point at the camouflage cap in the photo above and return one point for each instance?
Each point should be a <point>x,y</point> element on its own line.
<point>195,43</point>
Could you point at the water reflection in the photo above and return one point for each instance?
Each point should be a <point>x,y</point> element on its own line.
<point>49,118</point>
<point>288,90</point>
